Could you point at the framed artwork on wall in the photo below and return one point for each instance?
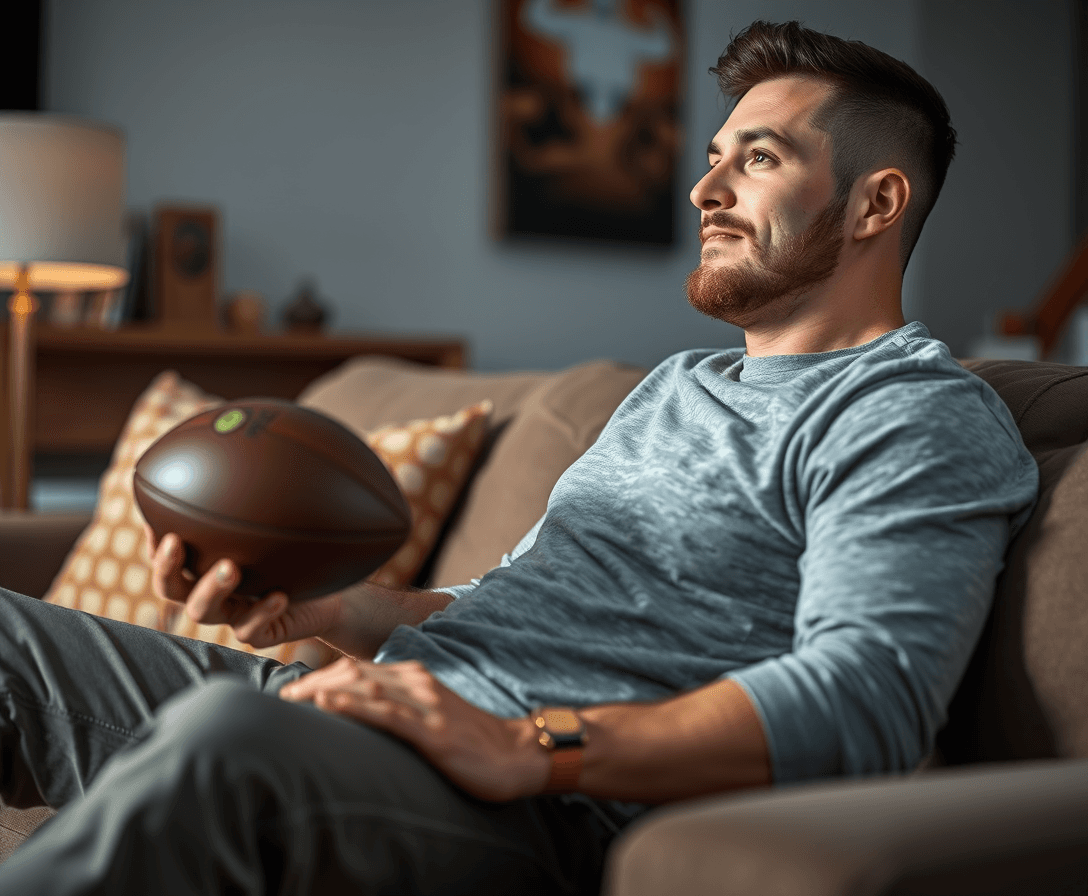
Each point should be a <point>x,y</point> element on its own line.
<point>588,106</point>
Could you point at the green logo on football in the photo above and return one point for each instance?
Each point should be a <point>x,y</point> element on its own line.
<point>230,420</point>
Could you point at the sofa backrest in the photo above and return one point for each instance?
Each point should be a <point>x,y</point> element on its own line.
<point>1025,693</point>
<point>541,423</point>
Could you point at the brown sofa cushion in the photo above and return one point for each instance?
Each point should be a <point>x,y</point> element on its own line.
<point>540,424</point>
<point>1025,694</point>
<point>555,426</point>
<point>368,392</point>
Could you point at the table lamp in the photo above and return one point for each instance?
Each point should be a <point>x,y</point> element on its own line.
<point>61,209</point>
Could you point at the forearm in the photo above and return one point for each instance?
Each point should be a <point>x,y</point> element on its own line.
<point>369,613</point>
<point>706,741</point>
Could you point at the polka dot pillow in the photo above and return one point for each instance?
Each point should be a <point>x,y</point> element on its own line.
<point>108,570</point>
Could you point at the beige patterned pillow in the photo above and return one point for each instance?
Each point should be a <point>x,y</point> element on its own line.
<point>108,570</point>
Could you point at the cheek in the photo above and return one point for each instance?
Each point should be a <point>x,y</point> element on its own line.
<point>799,211</point>
<point>787,223</point>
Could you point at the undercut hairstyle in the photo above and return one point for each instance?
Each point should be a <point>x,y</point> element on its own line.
<point>881,113</point>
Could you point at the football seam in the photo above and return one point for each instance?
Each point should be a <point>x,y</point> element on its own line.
<point>390,502</point>
<point>260,528</point>
<point>343,469</point>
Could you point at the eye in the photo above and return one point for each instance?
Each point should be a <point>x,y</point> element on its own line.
<point>760,157</point>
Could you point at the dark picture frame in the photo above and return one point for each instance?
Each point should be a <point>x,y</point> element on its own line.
<point>589,111</point>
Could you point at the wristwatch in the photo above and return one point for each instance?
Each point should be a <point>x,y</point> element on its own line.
<point>563,734</point>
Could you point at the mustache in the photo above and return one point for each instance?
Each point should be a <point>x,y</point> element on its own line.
<point>726,221</point>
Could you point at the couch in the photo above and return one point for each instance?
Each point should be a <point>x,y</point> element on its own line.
<point>1001,806</point>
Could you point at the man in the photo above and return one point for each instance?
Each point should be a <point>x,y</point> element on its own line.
<point>772,566</point>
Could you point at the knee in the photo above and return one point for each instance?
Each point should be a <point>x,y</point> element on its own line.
<point>223,721</point>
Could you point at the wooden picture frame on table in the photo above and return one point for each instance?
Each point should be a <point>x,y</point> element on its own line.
<point>186,266</point>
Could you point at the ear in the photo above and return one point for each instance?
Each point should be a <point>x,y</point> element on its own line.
<point>882,200</point>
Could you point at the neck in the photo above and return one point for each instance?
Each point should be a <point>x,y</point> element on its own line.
<point>859,303</point>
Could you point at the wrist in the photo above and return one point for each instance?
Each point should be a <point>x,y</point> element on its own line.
<point>529,763</point>
<point>348,627</point>
<point>561,735</point>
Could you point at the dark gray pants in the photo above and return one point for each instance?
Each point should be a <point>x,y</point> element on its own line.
<point>174,778</point>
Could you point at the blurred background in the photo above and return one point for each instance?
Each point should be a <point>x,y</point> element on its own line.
<point>351,143</point>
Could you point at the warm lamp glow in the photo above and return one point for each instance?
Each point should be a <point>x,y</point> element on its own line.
<point>62,196</point>
<point>55,275</point>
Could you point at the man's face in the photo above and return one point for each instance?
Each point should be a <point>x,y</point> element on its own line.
<point>771,228</point>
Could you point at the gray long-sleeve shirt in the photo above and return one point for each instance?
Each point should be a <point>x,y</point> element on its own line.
<point>824,529</point>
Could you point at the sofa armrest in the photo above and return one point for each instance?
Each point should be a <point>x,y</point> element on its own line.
<point>33,547</point>
<point>996,829</point>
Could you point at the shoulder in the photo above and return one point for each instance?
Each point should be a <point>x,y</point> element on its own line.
<point>916,412</point>
<point>917,382</point>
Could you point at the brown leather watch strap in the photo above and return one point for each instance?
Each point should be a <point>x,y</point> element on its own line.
<point>566,769</point>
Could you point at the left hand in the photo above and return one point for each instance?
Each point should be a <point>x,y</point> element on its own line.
<point>487,756</point>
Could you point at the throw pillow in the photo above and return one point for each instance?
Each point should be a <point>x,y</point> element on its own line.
<point>108,570</point>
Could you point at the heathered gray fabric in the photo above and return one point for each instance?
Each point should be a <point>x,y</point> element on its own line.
<point>824,529</point>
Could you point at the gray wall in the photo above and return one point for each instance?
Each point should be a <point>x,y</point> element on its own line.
<point>349,141</point>
<point>1005,220</point>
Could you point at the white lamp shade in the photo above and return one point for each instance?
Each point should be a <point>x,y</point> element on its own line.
<point>62,197</point>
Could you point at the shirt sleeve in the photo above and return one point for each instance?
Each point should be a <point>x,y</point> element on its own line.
<point>908,498</point>
<point>527,541</point>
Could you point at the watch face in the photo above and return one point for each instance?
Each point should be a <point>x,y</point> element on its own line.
<point>561,721</point>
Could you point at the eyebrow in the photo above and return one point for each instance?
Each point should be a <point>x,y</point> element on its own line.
<point>753,135</point>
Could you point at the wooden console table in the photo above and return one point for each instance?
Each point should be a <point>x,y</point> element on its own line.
<point>86,380</point>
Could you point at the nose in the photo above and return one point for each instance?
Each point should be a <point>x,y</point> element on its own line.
<point>713,191</point>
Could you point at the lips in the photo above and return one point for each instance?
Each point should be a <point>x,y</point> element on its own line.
<point>708,235</point>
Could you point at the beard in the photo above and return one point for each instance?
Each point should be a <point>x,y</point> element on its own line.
<point>735,293</point>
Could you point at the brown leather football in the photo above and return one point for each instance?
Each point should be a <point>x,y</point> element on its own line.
<point>298,501</point>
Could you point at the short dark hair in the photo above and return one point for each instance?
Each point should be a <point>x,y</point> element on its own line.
<point>881,112</point>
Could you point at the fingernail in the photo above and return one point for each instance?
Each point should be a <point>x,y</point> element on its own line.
<point>169,547</point>
<point>223,573</point>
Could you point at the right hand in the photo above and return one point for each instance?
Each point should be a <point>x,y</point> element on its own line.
<point>210,600</point>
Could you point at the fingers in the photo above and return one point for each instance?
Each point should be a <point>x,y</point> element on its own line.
<point>342,673</point>
<point>258,625</point>
<point>406,685</point>
<point>212,599</point>
<point>149,538</point>
<point>397,718</point>
<point>167,577</point>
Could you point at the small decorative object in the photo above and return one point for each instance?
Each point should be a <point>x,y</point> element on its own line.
<point>186,264</point>
<point>103,309</point>
<point>135,300</point>
<point>66,309</point>
<point>305,312</point>
<point>245,311</point>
